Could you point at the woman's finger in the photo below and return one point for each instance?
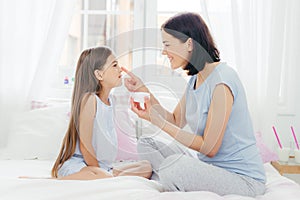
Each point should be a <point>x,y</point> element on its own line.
<point>136,104</point>
<point>128,72</point>
<point>129,85</point>
<point>134,108</point>
<point>147,103</point>
<point>131,81</point>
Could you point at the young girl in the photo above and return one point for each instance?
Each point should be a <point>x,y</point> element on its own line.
<point>89,147</point>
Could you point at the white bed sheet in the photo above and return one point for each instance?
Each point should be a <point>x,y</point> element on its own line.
<point>12,187</point>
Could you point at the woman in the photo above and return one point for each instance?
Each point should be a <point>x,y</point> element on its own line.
<point>214,106</point>
<point>90,144</point>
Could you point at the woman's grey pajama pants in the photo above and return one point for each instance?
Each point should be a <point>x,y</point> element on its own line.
<point>178,170</point>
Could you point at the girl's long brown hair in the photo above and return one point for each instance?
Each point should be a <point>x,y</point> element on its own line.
<point>85,83</point>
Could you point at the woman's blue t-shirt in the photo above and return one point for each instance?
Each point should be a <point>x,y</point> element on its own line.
<point>238,152</point>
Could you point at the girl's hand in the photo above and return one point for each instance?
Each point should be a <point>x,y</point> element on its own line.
<point>116,172</point>
<point>134,83</point>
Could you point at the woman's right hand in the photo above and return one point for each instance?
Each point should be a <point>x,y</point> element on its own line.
<point>134,83</point>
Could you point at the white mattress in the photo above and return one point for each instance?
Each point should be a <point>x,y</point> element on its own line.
<point>12,187</point>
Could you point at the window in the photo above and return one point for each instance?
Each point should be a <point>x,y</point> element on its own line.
<point>124,26</point>
<point>165,10</point>
<point>94,23</point>
<point>212,11</point>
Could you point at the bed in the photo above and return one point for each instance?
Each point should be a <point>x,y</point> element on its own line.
<point>13,187</point>
<point>32,148</point>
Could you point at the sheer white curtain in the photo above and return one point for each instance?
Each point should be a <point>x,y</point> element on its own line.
<point>32,34</point>
<point>261,40</point>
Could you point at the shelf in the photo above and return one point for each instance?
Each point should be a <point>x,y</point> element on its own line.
<point>287,168</point>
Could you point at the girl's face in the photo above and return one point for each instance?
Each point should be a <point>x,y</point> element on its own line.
<point>110,75</point>
<point>179,53</point>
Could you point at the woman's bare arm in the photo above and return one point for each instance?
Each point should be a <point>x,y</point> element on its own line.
<point>218,116</point>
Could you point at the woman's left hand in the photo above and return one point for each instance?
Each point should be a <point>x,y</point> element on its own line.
<point>149,113</point>
<point>137,109</point>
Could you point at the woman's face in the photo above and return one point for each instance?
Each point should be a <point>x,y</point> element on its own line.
<point>179,53</point>
<point>111,73</point>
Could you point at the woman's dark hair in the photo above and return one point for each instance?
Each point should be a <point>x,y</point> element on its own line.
<point>190,25</point>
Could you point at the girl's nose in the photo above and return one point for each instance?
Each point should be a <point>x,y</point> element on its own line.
<point>120,69</point>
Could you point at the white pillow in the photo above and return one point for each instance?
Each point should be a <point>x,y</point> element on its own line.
<point>37,133</point>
